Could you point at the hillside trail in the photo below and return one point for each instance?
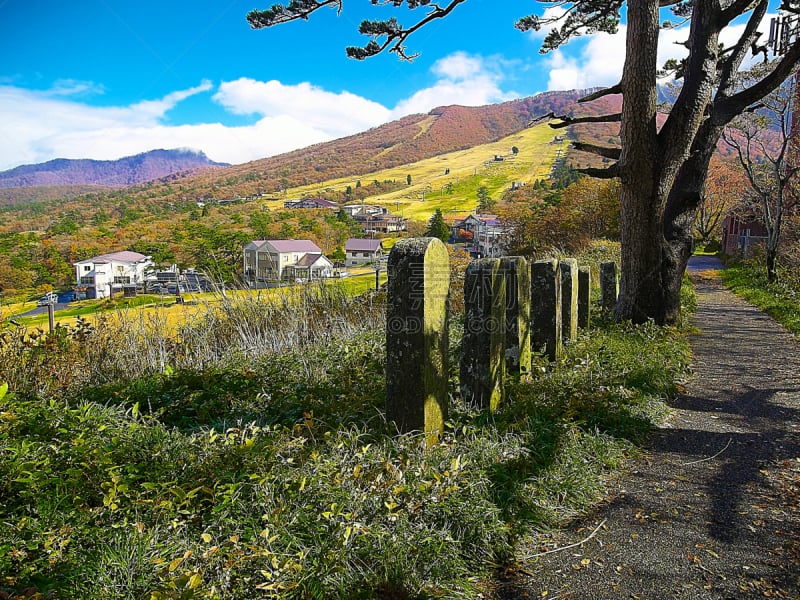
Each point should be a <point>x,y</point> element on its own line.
<point>713,508</point>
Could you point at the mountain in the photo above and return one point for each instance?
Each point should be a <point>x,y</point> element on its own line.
<point>407,140</point>
<point>124,171</point>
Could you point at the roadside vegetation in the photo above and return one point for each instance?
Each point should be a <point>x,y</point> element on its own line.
<point>248,455</point>
<point>779,299</point>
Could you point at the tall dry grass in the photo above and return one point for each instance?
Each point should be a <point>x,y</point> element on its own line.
<point>129,344</point>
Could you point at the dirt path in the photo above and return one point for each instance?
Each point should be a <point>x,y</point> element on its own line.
<point>713,511</point>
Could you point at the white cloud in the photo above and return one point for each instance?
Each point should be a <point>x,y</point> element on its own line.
<point>39,126</point>
<point>463,79</point>
<point>598,62</point>
<point>337,114</point>
<point>36,126</point>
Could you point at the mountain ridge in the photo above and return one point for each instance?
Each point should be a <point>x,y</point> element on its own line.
<point>125,171</point>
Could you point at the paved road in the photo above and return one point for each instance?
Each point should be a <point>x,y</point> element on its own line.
<point>41,310</point>
<point>713,512</point>
<point>704,263</point>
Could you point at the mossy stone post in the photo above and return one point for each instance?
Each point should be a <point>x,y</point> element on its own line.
<point>517,273</point>
<point>483,362</point>
<point>416,336</point>
<point>569,298</point>
<point>584,293</point>
<point>609,285</point>
<point>546,308</point>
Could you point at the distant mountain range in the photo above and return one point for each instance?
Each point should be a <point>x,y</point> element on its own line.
<point>130,170</point>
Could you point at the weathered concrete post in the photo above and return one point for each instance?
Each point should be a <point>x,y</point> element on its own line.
<point>483,363</point>
<point>569,298</point>
<point>609,285</point>
<point>517,273</point>
<point>584,292</point>
<point>416,336</point>
<point>546,308</point>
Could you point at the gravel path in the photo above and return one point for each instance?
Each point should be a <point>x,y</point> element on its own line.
<point>713,510</point>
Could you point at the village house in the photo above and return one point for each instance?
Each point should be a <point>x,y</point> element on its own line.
<point>374,219</point>
<point>485,235</point>
<point>101,276</point>
<point>279,260</point>
<point>364,209</point>
<point>362,251</point>
<point>388,223</point>
<point>312,203</point>
<point>739,235</point>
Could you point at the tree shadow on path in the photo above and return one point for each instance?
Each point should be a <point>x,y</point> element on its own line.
<point>704,514</point>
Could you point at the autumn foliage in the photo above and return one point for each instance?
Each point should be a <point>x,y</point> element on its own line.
<point>543,219</point>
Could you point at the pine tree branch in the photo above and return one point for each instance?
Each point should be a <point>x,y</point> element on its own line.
<point>604,151</point>
<point>605,173</point>
<point>566,121</point>
<point>727,108</point>
<point>614,89</point>
<point>395,34</point>
<point>738,52</point>
<point>294,10</point>
<point>391,29</point>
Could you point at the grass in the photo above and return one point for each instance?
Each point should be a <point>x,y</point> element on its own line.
<point>780,300</point>
<point>249,457</point>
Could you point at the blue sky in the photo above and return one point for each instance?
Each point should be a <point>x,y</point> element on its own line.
<point>108,78</point>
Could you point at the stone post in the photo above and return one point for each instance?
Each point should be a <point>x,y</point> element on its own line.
<point>483,364</point>
<point>416,336</point>
<point>609,285</point>
<point>584,293</point>
<point>546,308</point>
<point>569,298</point>
<point>517,273</point>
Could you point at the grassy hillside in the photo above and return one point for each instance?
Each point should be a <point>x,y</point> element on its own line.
<point>455,192</point>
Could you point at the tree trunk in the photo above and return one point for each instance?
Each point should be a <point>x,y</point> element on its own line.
<point>772,265</point>
<point>685,197</point>
<point>641,294</point>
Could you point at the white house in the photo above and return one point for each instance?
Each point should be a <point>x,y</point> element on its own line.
<point>360,251</point>
<point>312,266</point>
<point>103,275</point>
<point>274,260</point>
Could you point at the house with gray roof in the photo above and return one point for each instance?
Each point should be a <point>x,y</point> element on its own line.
<point>361,251</point>
<point>276,260</point>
